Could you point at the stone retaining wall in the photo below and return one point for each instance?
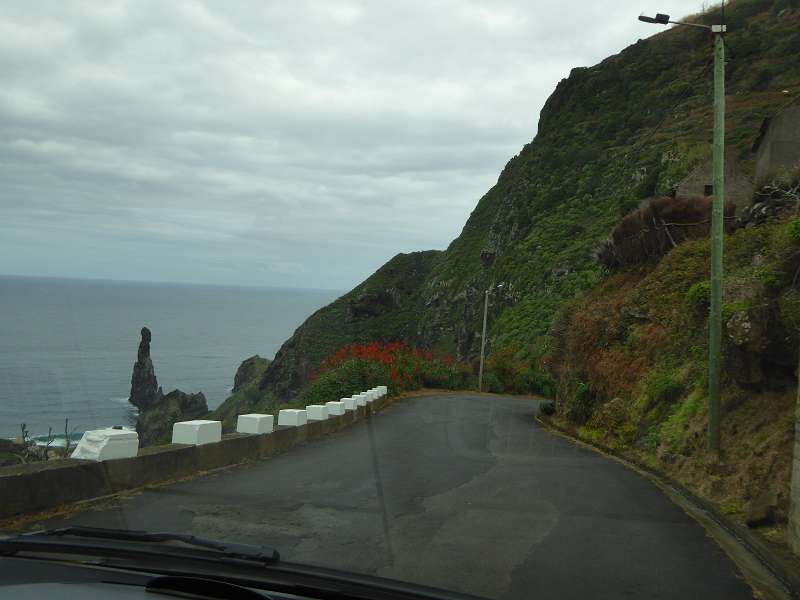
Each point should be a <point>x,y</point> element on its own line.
<point>794,498</point>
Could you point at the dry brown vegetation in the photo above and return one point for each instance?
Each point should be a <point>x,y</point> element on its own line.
<point>651,231</point>
<point>630,365</point>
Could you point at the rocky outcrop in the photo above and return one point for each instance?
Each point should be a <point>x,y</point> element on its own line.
<point>145,391</point>
<point>157,412</point>
<point>251,369</point>
<point>154,425</point>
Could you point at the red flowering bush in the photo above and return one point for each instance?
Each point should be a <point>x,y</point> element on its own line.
<point>358,367</point>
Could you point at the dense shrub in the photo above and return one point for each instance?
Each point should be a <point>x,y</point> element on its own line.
<point>699,296</point>
<point>361,366</point>
<point>793,229</point>
<point>507,372</point>
<point>661,390</point>
<point>547,408</point>
<point>580,406</point>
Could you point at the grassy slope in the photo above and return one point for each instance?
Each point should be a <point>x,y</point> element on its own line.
<point>609,135</point>
<point>631,364</point>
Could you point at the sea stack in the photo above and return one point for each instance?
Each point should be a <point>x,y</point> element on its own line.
<point>158,412</point>
<point>145,391</point>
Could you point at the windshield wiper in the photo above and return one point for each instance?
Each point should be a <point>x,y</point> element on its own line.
<point>78,538</point>
<point>180,556</point>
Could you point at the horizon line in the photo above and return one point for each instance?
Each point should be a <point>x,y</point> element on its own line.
<point>173,283</point>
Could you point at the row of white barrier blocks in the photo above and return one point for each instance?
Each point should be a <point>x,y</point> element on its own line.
<point>110,443</point>
<point>201,432</point>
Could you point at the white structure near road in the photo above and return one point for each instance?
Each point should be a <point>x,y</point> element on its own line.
<point>317,412</point>
<point>349,403</point>
<point>335,409</point>
<point>197,433</point>
<point>107,444</point>
<point>255,423</point>
<point>292,417</point>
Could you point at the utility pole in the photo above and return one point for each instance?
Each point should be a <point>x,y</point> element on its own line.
<point>717,223</point>
<point>717,234</point>
<point>483,339</point>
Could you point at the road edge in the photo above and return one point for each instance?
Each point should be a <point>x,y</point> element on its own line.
<point>717,525</point>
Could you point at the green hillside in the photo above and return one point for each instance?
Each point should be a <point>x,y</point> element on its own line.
<point>610,135</point>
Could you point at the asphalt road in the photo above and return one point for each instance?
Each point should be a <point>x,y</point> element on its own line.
<point>462,492</point>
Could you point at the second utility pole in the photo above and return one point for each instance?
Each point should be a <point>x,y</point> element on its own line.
<point>483,340</point>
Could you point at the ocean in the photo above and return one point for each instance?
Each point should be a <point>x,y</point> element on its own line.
<point>67,347</point>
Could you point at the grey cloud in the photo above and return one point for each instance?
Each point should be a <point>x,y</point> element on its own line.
<point>275,143</point>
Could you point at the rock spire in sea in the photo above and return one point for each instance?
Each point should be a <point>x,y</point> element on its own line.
<point>145,391</point>
<point>158,412</point>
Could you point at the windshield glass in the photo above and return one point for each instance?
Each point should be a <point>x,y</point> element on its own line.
<point>496,298</point>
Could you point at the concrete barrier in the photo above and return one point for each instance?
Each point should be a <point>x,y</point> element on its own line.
<point>335,409</point>
<point>255,423</point>
<point>107,444</point>
<point>349,403</point>
<point>361,399</point>
<point>292,417</point>
<point>317,412</point>
<point>197,433</point>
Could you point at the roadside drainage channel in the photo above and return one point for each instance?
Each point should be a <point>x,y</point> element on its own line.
<point>30,489</point>
<point>762,568</point>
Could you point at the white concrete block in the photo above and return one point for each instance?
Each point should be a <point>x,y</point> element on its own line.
<point>383,389</point>
<point>317,412</point>
<point>106,444</point>
<point>255,423</point>
<point>335,408</point>
<point>361,399</point>
<point>196,432</point>
<point>349,403</point>
<point>292,417</point>
<point>371,396</point>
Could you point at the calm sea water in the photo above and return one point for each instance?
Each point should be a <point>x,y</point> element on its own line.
<point>67,347</point>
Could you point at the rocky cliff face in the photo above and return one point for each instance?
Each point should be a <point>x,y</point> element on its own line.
<point>383,308</point>
<point>250,369</point>
<point>629,128</point>
<point>157,412</point>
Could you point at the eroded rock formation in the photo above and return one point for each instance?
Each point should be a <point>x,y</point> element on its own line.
<point>145,391</point>
<point>157,412</point>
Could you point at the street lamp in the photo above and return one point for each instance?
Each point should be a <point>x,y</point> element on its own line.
<point>717,220</point>
<point>483,337</point>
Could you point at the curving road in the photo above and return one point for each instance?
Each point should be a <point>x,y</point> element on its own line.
<point>462,492</point>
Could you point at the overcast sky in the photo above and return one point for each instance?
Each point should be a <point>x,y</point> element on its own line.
<point>261,142</point>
